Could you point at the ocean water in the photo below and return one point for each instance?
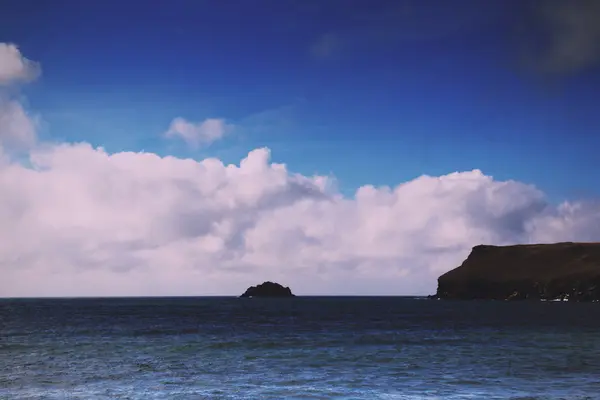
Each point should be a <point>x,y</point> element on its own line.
<point>298,348</point>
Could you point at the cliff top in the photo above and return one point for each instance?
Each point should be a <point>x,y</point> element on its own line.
<point>540,262</point>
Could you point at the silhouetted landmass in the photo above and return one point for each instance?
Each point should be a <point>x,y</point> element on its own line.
<point>268,289</point>
<point>560,271</point>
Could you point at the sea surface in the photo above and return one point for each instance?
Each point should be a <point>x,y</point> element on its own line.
<point>298,348</point>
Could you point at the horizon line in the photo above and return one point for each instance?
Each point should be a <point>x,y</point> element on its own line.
<point>197,296</point>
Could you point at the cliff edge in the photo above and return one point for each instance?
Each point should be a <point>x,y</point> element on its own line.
<point>560,271</point>
<point>268,289</point>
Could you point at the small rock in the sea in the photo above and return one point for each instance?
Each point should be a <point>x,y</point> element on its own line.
<point>268,289</point>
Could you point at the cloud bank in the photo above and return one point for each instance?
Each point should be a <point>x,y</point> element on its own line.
<point>78,221</point>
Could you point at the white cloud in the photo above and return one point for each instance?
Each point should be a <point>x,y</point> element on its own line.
<point>80,221</point>
<point>17,128</point>
<point>15,67</point>
<point>198,134</point>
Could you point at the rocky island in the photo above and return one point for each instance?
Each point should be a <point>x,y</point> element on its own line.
<point>268,289</point>
<point>560,271</point>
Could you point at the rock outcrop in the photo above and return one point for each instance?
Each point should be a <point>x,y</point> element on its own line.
<point>560,271</point>
<point>268,289</point>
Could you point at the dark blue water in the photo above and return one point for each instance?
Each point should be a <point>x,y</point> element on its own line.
<point>300,348</point>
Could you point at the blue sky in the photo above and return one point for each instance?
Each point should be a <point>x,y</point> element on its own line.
<point>372,92</point>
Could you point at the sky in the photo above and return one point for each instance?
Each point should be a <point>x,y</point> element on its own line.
<point>339,147</point>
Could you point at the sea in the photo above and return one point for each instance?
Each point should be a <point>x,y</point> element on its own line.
<point>298,348</point>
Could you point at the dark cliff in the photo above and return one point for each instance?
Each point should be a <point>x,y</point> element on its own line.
<point>268,289</point>
<point>565,271</point>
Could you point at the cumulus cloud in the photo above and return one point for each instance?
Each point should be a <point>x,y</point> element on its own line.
<point>14,67</point>
<point>79,221</point>
<point>198,134</point>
